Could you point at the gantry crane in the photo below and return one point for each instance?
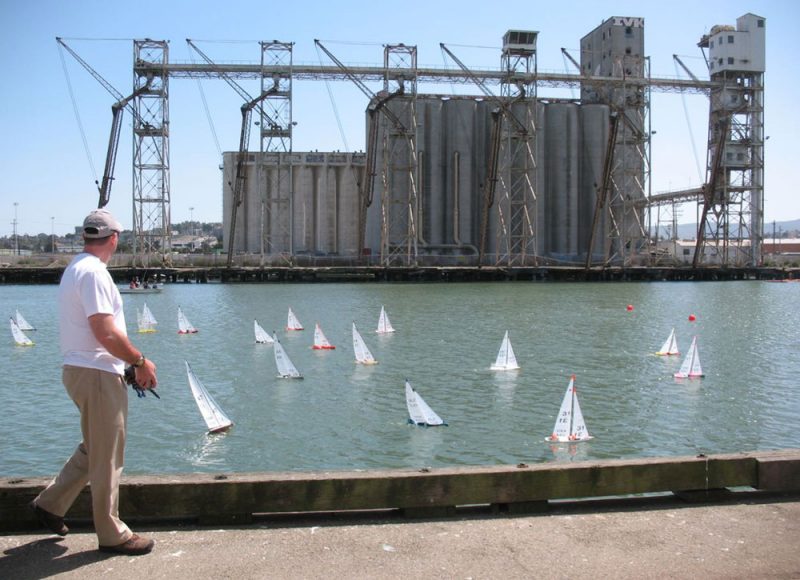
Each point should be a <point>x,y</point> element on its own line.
<point>377,103</point>
<point>502,111</point>
<point>117,110</point>
<point>240,177</point>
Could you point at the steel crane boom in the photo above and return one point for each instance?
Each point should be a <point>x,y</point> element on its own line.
<point>117,109</point>
<point>377,103</point>
<point>240,177</point>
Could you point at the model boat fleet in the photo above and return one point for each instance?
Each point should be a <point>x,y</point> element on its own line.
<point>569,427</point>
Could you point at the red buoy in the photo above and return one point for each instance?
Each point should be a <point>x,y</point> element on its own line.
<point>630,307</point>
<point>692,318</point>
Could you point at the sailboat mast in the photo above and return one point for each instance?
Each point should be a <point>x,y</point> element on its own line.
<point>572,411</point>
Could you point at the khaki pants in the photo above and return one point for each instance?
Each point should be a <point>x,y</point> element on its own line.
<point>102,399</point>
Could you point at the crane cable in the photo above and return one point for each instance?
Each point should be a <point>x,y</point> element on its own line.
<point>207,111</point>
<point>334,107</point>
<point>700,172</point>
<point>77,112</point>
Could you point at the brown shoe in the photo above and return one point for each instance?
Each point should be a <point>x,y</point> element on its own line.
<point>135,546</point>
<point>50,521</point>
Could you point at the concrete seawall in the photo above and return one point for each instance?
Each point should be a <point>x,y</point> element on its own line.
<point>237,498</point>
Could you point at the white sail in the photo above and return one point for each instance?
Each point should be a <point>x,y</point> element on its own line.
<point>19,336</point>
<point>21,322</point>
<point>286,369</point>
<point>506,360</point>
<point>262,337</point>
<point>418,410</point>
<point>145,320</point>
<point>184,326</point>
<point>363,355</point>
<point>570,425</point>
<point>670,346</point>
<point>320,341</point>
<point>690,368</point>
<point>292,323</point>
<point>214,416</point>
<point>384,325</point>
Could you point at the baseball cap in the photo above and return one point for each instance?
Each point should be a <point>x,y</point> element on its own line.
<point>100,224</point>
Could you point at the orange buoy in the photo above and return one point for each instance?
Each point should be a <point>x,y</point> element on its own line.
<point>630,307</point>
<point>692,318</point>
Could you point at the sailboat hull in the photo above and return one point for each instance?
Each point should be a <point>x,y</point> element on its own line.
<point>555,439</point>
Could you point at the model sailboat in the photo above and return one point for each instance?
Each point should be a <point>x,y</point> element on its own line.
<point>363,355</point>
<point>506,360</point>
<point>691,369</point>
<point>215,418</point>
<point>145,319</point>
<point>286,369</point>
<point>21,322</point>
<point>19,337</point>
<point>570,426</point>
<point>670,346</point>
<point>184,326</point>
<point>320,341</point>
<point>262,337</point>
<point>384,325</point>
<point>292,323</point>
<point>419,412</point>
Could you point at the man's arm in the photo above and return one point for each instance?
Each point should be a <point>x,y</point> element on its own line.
<point>118,345</point>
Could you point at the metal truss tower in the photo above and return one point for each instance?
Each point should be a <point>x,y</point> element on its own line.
<point>515,243</point>
<point>275,183</point>
<point>631,166</point>
<point>399,173</point>
<point>151,195</point>
<point>731,209</point>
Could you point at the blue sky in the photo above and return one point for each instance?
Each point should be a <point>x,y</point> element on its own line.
<point>46,169</point>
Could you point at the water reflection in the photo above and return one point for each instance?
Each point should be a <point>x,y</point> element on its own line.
<point>208,450</point>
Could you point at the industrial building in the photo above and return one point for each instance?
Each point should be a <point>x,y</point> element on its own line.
<point>509,177</point>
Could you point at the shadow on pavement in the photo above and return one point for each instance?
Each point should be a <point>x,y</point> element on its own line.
<point>50,560</point>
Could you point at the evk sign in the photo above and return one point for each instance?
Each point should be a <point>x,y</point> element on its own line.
<point>631,21</point>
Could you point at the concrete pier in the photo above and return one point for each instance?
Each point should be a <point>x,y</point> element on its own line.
<point>637,539</point>
<point>717,516</point>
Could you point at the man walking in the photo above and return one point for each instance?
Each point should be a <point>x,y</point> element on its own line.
<point>95,349</point>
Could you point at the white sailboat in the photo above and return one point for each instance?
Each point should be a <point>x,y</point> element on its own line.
<point>690,368</point>
<point>570,425</point>
<point>145,319</point>
<point>320,341</point>
<point>215,418</point>
<point>184,326</point>
<point>506,360</point>
<point>384,325</point>
<point>292,323</point>
<point>262,337</point>
<point>670,346</point>
<point>363,355</point>
<point>418,410</point>
<point>21,322</point>
<point>286,369</point>
<point>19,337</point>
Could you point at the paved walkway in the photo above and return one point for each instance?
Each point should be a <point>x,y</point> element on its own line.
<point>654,539</point>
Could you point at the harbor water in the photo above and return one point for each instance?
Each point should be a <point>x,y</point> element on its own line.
<point>345,416</point>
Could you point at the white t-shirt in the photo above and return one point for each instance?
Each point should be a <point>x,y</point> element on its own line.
<point>86,289</point>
